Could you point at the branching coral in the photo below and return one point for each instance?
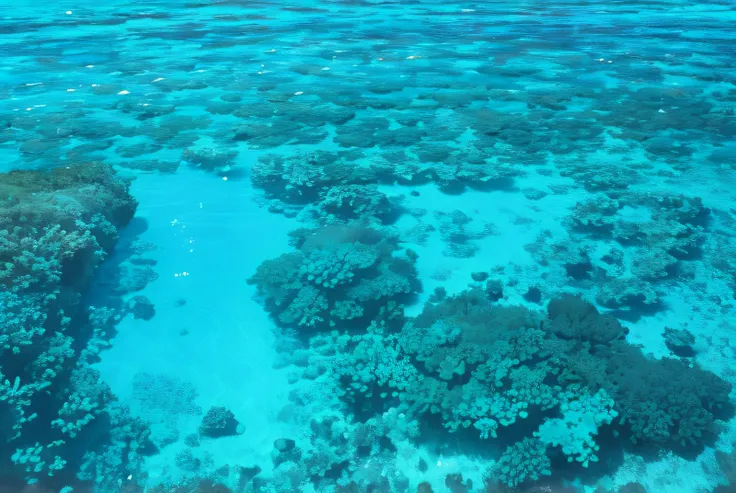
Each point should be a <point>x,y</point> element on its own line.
<point>477,365</point>
<point>56,227</point>
<point>219,422</point>
<point>297,180</point>
<point>367,364</point>
<point>348,202</point>
<point>582,416</point>
<point>331,181</point>
<point>300,288</point>
<point>329,268</point>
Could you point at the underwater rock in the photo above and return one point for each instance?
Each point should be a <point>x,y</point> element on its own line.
<point>284,444</point>
<point>680,342</point>
<point>533,294</point>
<point>456,484</point>
<point>351,487</point>
<point>285,450</point>
<point>248,473</point>
<point>424,487</point>
<point>141,308</point>
<point>479,276</point>
<point>494,290</point>
<point>632,488</point>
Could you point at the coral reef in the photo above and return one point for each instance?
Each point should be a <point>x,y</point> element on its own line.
<point>300,289</point>
<point>524,461</point>
<point>628,247</point>
<point>563,377</point>
<point>608,138</point>
<point>61,422</point>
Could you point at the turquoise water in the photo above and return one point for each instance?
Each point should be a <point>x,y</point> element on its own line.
<point>367,247</point>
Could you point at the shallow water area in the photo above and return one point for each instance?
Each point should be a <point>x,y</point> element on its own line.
<point>368,246</point>
<point>205,313</point>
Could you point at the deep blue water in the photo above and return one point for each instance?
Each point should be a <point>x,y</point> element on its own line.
<point>367,246</point>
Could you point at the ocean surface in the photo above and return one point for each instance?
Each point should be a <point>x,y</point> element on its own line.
<point>367,246</point>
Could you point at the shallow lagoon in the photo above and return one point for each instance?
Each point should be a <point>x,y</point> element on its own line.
<point>339,207</point>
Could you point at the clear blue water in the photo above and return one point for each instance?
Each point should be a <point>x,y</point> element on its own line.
<point>367,246</point>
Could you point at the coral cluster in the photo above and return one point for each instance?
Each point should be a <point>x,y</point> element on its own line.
<point>343,274</point>
<point>219,422</point>
<point>629,248</point>
<point>561,379</point>
<point>59,421</point>
<point>600,126</point>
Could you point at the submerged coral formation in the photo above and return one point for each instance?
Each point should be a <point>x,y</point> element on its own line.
<point>342,274</point>
<point>511,266</point>
<point>567,382</point>
<point>220,422</point>
<point>60,421</point>
<point>490,367</point>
